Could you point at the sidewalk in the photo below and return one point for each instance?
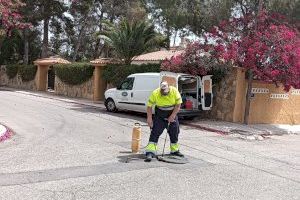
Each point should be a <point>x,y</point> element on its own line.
<point>251,132</point>
<point>51,95</point>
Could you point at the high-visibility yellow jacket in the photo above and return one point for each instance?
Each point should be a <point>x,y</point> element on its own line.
<point>165,102</point>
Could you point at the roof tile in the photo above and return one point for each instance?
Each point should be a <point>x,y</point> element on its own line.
<point>158,55</point>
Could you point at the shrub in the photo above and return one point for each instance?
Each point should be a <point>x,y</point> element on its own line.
<point>74,73</point>
<point>27,72</point>
<point>12,70</point>
<point>219,72</point>
<point>115,74</point>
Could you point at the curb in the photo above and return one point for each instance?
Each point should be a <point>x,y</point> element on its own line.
<point>205,128</point>
<point>5,133</point>
<point>226,133</point>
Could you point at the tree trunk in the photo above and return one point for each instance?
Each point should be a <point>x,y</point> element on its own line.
<point>45,38</point>
<point>1,41</point>
<point>98,47</point>
<point>250,78</point>
<point>77,46</point>
<point>84,23</point>
<point>248,97</point>
<point>168,35</point>
<point>26,47</point>
<point>175,36</point>
<point>2,38</point>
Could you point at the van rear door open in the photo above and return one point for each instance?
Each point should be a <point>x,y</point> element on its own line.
<point>188,88</point>
<point>206,92</point>
<point>195,89</point>
<point>170,77</point>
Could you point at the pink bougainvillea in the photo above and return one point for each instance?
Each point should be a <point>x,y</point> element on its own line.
<point>197,59</point>
<point>10,17</point>
<point>8,133</point>
<point>266,44</point>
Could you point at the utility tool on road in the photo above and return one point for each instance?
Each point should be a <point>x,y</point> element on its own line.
<point>169,158</point>
<point>136,138</point>
<point>136,144</point>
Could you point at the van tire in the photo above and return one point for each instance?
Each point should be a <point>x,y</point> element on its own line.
<point>110,105</point>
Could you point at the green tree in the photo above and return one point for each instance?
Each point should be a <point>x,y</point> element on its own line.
<point>88,17</point>
<point>289,8</point>
<point>46,11</point>
<point>28,33</point>
<point>199,16</point>
<point>57,38</point>
<point>193,15</point>
<point>132,39</point>
<point>11,49</point>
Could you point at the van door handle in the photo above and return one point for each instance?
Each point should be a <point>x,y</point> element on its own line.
<point>131,94</point>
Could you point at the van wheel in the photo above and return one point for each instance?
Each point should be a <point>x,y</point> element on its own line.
<point>110,105</point>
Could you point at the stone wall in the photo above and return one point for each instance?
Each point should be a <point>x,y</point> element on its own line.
<point>224,97</point>
<point>84,90</point>
<point>15,82</point>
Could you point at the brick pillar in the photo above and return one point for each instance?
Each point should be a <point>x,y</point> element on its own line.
<point>240,98</point>
<point>41,77</point>
<point>99,83</point>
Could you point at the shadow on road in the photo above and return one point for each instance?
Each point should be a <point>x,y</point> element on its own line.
<point>131,157</point>
<point>121,114</point>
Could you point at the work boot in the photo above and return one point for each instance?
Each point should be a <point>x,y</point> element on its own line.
<point>177,153</point>
<point>149,156</point>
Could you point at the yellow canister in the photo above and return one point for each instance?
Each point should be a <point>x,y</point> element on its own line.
<point>136,138</point>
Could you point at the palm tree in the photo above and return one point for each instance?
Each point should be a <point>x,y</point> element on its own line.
<point>132,39</point>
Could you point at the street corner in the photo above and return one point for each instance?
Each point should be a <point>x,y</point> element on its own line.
<point>5,133</point>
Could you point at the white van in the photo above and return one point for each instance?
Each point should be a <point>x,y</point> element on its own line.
<point>134,91</point>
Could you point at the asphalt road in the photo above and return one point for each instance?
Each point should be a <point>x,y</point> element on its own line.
<point>68,151</point>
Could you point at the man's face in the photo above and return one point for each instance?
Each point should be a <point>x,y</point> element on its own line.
<point>164,88</point>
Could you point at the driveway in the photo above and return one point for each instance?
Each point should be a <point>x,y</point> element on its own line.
<point>64,150</point>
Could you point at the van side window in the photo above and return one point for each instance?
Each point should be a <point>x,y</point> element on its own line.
<point>127,84</point>
<point>146,83</point>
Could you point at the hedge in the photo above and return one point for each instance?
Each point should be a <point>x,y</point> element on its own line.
<point>115,74</point>
<point>74,73</point>
<point>218,74</point>
<point>12,70</point>
<point>27,72</point>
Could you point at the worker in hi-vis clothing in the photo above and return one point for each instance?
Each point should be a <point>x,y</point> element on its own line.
<point>167,101</point>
